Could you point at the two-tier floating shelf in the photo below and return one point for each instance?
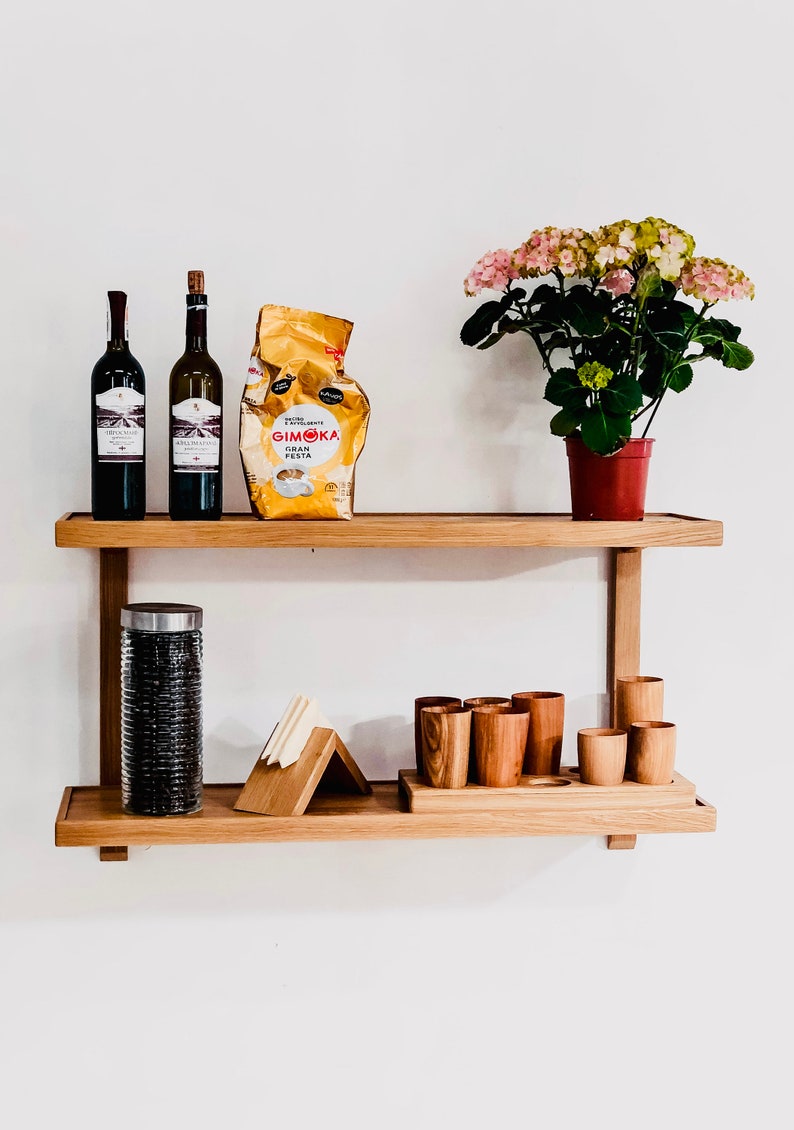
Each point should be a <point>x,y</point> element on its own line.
<point>93,815</point>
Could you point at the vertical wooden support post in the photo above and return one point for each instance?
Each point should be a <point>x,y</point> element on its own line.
<point>625,592</point>
<point>623,638</point>
<point>113,578</point>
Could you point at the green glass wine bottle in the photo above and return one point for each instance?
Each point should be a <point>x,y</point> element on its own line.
<point>196,425</point>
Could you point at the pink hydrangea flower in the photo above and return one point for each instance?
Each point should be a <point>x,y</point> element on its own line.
<point>492,272</point>
<point>618,282</point>
<point>714,280</point>
<point>550,249</point>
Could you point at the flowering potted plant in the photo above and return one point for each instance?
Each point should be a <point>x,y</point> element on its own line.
<point>614,333</point>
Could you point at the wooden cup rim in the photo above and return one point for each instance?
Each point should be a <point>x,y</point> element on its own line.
<point>539,694</point>
<point>601,732</point>
<point>487,700</point>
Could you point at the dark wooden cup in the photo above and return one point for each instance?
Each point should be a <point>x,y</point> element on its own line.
<point>430,700</point>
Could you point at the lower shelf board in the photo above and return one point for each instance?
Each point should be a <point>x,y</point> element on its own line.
<point>93,816</point>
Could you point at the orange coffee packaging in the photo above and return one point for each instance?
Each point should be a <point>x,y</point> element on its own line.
<point>303,421</point>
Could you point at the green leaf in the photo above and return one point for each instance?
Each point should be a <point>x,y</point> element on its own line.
<point>604,434</point>
<point>726,330</point>
<point>492,340</point>
<point>688,315</point>
<point>564,390</point>
<point>651,377</point>
<point>479,324</point>
<point>557,340</point>
<point>543,293</point>
<point>586,310</point>
<point>565,422</point>
<point>649,283</point>
<point>621,396</point>
<point>712,333</point>
<point>681,378</point>
<point>666,325</point>
<point>543,326</point>
<point>736,356</point>
<point>549,312</point>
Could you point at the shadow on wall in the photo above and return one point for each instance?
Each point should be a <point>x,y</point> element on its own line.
<point>201,881</point>
<point>380,746</point>
<point>356,566</point>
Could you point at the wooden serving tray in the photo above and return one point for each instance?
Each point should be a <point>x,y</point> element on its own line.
<point>538,795</point>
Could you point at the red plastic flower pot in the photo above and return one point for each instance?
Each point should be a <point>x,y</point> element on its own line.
<point>608,488</point>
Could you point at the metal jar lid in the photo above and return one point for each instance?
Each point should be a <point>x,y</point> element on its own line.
<point>161,617</point>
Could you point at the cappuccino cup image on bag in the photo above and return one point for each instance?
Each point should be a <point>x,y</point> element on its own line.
<point>303,421</point>
<point>292,481</point>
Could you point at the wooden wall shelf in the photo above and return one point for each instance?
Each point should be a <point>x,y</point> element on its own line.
<point>387,531</point>
<point>93,815</point>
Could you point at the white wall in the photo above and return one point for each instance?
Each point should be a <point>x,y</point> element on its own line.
<point>356,159</point>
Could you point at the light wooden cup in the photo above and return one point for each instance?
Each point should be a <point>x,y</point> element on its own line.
<point>602,755</point>
<point>494,702</point>
<point>544,739</point>
<point>500,739</point>
<point>446,733</point>
<point>638,698</point>
<point>429,700</point>
<point>651,755</point>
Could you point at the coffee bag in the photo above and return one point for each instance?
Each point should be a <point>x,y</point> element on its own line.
<point>303,421</point>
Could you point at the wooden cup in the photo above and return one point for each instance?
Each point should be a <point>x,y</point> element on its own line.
<point>651,755</point>
<point>638,698</point>
<point>544,740</point>
<point>602,755</point>
<point>500,739</point>
<point>430,700</point>
<point>446,732</point>
<point>494,702</point>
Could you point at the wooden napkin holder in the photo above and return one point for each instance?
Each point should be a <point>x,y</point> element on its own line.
<point>325,765</point>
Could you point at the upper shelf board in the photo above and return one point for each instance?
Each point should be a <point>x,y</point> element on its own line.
<point>386,531</point>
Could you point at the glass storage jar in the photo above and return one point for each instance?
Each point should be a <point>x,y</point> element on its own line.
<point>161,715</point>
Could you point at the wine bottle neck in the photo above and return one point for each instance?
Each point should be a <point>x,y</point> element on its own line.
<point>118,334</point>
<point>196,324</point>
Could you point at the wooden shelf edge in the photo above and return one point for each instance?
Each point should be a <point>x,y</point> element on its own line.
<point>389,531</point>
<point>91,817</point>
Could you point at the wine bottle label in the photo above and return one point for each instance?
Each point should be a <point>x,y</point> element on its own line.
<point>120,425</point>
<point>196,436</point>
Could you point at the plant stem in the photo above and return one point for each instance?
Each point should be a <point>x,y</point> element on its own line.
<point>655,410</point>
<point>654,404</point>
<point>565,326</point>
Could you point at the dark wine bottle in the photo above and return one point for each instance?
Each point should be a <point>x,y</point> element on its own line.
<point>118,434</point>
<point>196,399</point>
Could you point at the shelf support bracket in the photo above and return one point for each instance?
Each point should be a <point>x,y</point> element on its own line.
<point>113,590</point>
<point>623,637</point>
<point>621,843</point>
